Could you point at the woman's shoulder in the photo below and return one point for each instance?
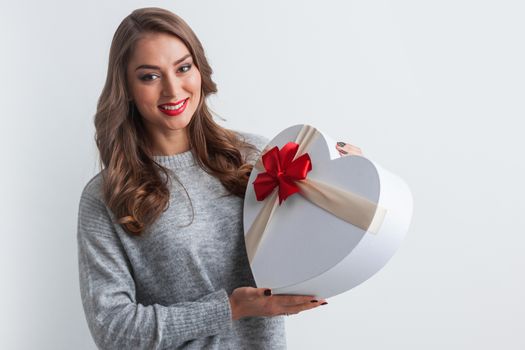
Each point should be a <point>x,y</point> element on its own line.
<point>93,187</point>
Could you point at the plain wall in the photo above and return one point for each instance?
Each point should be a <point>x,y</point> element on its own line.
<point>432,91</point>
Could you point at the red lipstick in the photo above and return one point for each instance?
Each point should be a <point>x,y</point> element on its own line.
<point>174,112</point>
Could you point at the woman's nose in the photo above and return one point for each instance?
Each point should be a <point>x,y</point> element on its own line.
<point>170,86</point>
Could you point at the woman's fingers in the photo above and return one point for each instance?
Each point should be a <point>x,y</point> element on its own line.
<point>250,301</point>
<point>293,304</point>
<point>348,149</point>
<point>287,300</point>
<point>295,309</point>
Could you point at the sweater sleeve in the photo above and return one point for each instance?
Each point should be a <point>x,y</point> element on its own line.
<point>115,319</point>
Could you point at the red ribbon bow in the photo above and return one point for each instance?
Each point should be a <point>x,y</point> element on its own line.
<point>281,171</point>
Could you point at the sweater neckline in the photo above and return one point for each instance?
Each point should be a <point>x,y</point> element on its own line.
<point>176,161</point>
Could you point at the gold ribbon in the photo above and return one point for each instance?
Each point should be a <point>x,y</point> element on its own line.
<point>348,206</point>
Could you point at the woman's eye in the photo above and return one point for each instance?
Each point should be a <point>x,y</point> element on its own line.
<point>147,77</point>
<point>186,66</point>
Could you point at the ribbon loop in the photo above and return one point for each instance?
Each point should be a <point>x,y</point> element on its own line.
<point>282,171</point>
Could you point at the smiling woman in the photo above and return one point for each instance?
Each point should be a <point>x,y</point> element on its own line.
<point>162,263</point>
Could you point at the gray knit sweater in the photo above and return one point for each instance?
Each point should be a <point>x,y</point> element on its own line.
<point>168,289</point>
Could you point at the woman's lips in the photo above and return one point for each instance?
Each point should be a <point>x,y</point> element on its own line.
<point>174,112</point>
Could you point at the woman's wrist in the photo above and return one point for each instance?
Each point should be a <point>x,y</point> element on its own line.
<point>234,308</point>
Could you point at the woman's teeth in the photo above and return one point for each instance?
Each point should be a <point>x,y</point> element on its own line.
<point>172,108</point>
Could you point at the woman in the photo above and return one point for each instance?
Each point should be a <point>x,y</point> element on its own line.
<point>160,241</point>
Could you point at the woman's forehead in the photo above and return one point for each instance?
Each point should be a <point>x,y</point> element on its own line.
<point>162,48</point>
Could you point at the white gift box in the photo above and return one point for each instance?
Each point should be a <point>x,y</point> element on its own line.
<point>347,220</point>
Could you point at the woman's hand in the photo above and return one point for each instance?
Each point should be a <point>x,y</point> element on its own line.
<point>346,149</point>
<point>249,301</point>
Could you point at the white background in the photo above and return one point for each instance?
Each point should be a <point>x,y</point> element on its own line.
<point>432,91</point>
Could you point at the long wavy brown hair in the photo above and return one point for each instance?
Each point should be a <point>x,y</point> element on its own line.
<point>133,186</point>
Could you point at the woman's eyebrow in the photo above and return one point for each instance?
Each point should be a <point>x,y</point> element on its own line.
<point>148,66</point>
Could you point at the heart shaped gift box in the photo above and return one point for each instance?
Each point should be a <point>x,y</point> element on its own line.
<point>320,224</point>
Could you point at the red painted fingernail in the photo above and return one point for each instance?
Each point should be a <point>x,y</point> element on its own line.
<point>268,292</point>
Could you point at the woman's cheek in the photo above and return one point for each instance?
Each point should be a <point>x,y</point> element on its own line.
<point>194,80</point>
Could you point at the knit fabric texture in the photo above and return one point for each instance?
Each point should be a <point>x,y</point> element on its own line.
<point>169,287</point>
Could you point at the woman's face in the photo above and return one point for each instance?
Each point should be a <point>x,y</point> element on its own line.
<point>161,74</point>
